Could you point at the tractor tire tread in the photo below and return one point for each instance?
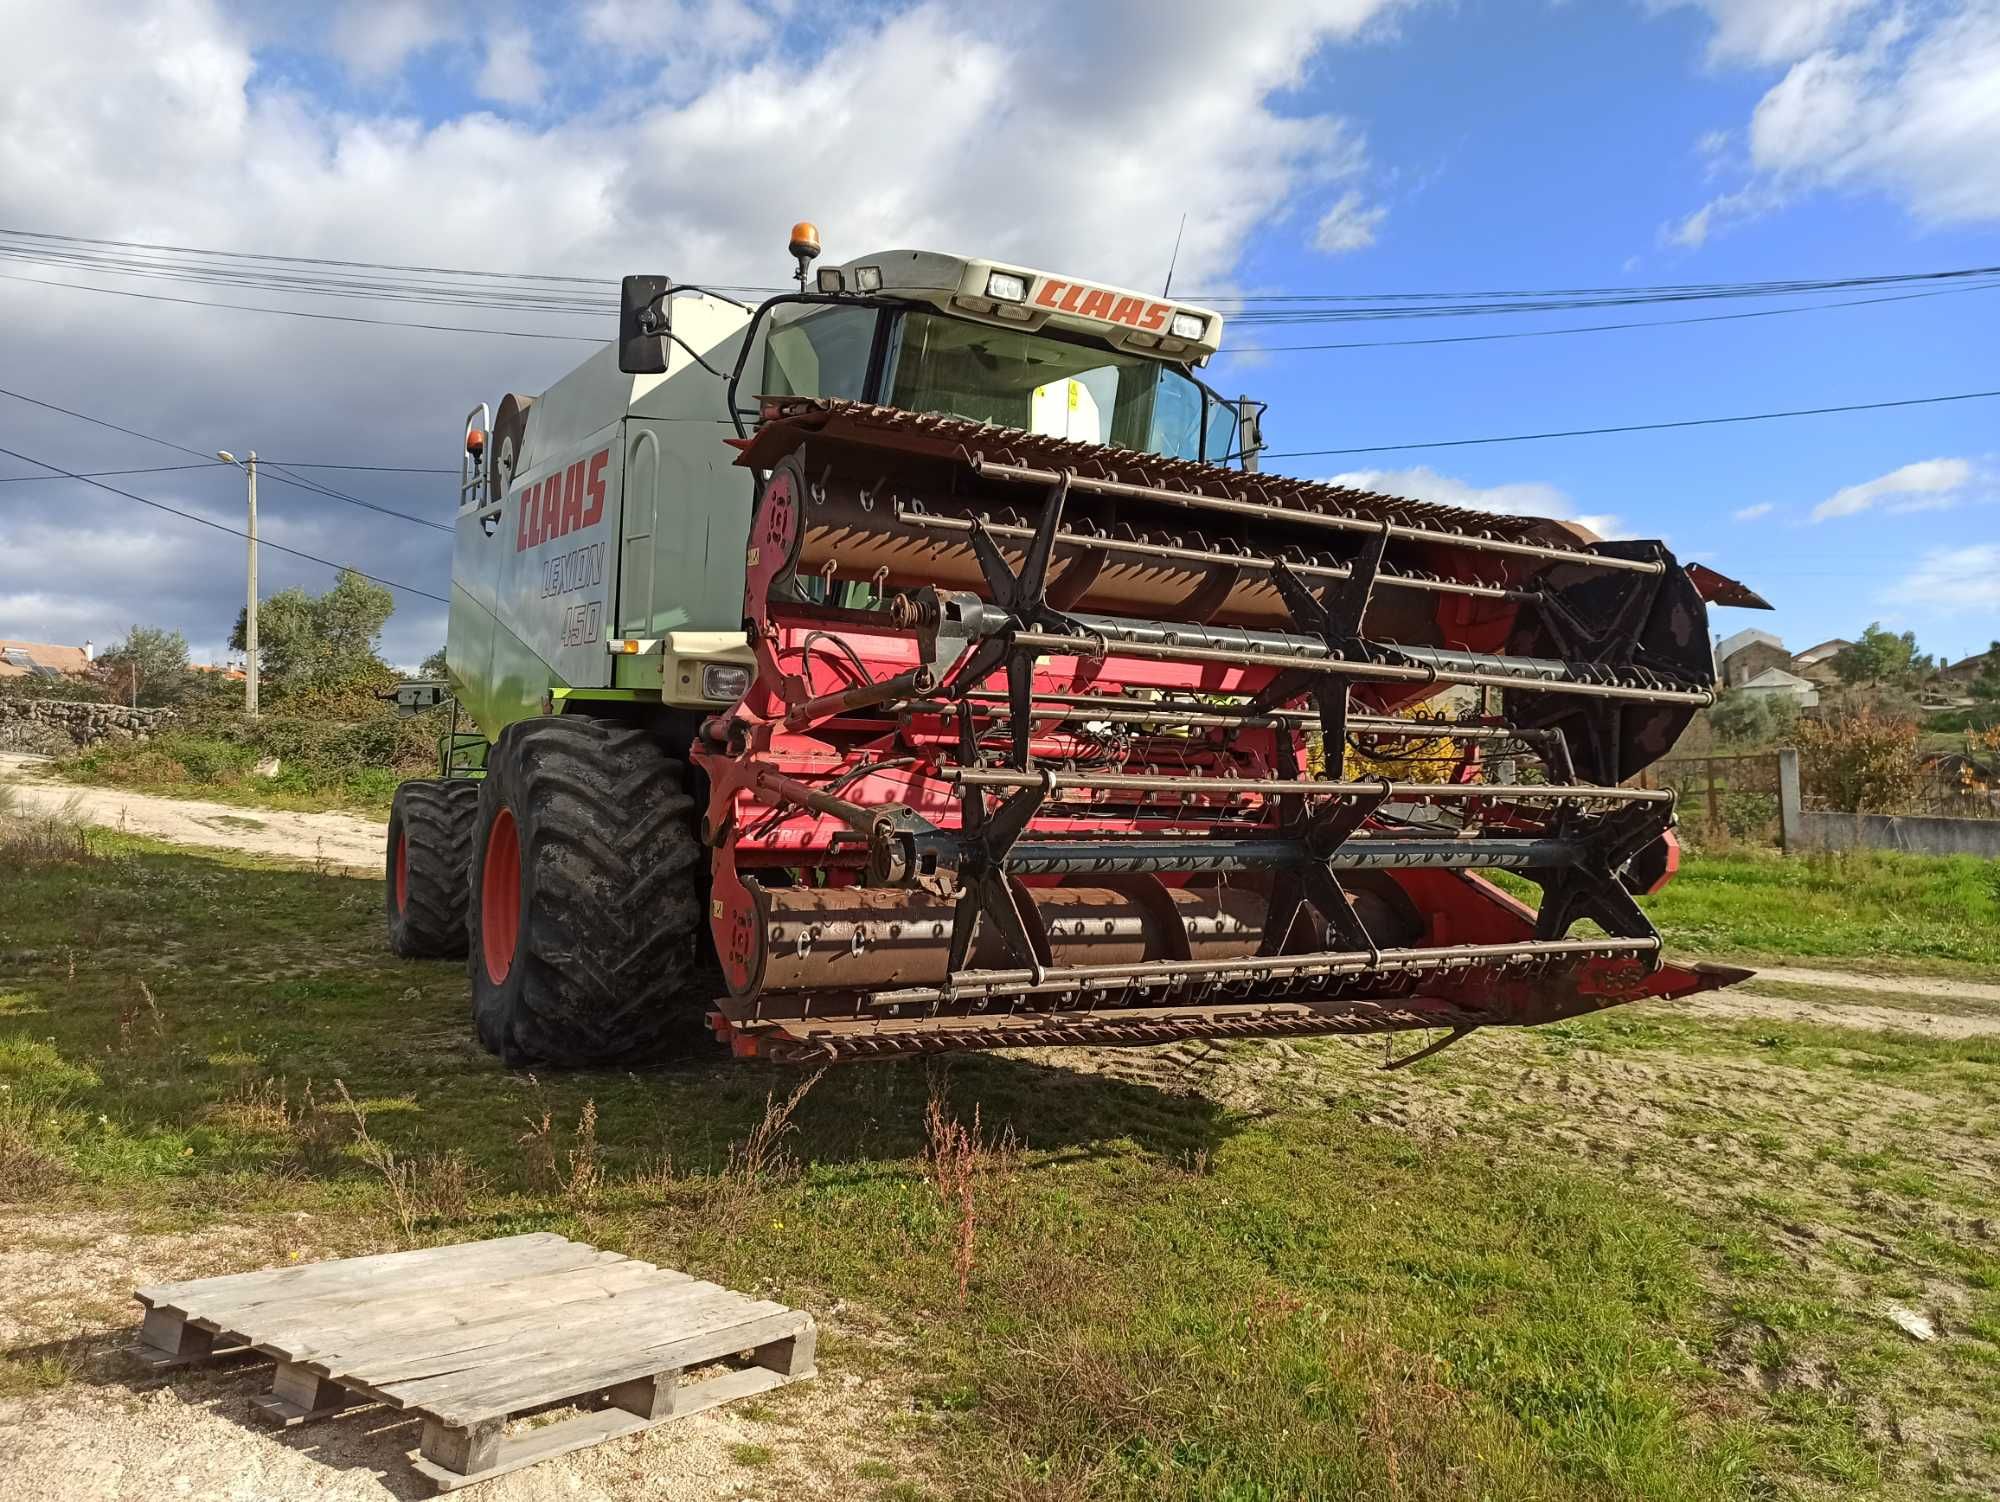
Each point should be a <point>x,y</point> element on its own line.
<point>436,818</point>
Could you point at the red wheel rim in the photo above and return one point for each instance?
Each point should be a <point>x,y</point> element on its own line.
<point>500,897</point>
<point>402,872</point>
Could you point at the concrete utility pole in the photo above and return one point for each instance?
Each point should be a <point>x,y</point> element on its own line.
<point>249,469</point>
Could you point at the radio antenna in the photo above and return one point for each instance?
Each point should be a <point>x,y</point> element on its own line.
<point>1167,291</point>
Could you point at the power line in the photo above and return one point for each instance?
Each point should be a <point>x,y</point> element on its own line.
<point>151,469</point>
<point>1634,427</point>
<point>393,469</point>
<point>537,292</point>
<point>1599,328</point>
<point>209,459</point>
<point>218,526</point>
<point>389,323</point>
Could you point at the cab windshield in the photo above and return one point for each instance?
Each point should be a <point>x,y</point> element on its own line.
<point>1037,382</point>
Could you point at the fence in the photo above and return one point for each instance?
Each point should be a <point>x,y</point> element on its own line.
<point>1759,797</point>
<point>1735,797</point>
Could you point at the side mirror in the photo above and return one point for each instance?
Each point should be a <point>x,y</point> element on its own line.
<point>643,321</point>
<point>1249,431</point>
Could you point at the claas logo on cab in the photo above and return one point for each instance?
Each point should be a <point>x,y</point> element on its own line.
<point>562,501</point>
<point>1086,301</point>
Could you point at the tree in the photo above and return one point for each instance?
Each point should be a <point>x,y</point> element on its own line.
<point>1747,719</point>
<point>149,667</point>
<point>1987,685</point>
<point>1881,658</point>
<point>432,666</point>
<point>306,640</point>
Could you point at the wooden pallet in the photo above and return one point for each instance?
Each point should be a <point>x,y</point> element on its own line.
<point>468,1337</point>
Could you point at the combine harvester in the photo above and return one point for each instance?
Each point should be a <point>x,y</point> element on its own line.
<point>918,662</point>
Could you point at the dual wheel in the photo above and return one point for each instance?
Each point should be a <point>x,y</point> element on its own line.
<point>569,879</point>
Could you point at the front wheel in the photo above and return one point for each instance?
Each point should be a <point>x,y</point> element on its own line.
<point>585,912</point>
<point>426,864</point>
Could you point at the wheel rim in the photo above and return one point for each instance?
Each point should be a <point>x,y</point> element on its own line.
<point>402,872</point>
<point>500,897</point>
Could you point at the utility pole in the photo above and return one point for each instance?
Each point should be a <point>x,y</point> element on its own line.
<point>249,469</point>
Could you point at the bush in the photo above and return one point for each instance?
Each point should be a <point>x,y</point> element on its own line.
<point>1859,760</point>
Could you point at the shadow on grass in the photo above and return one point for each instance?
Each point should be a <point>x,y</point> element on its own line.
<point>183,1015</point>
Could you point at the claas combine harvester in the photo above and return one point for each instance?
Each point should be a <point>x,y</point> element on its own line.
<point>918,662</point>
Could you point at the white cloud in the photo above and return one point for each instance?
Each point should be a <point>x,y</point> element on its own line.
<point>1926,485</point>
<point>1751,513</point>
<point>1768,31</point>
<point>952,128</point>
<point>1878,97</point>
<point>376,37</point>
<point>1952,581</point>
<point>511,73</point>
<point>1520,498</point>
<point>1349,225</point>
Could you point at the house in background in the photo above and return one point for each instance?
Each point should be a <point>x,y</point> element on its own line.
<point>1816,663</point>
<point>1742,657</point>
<point>35,659</point>
<point>1776,681</point>
<point>1968,668</point>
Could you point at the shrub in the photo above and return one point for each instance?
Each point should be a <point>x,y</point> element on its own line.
<point>1859,760</point>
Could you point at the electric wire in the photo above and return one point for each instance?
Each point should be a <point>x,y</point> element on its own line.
<point>282,479</point>
<point>1634,427</point>
<point>217,526</point>
<point>1599,328</point>
<point>150,469</point>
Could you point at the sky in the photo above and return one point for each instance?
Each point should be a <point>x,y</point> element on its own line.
<point>1309,148</point>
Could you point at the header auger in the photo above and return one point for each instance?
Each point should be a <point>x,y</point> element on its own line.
<point>1049,726</point>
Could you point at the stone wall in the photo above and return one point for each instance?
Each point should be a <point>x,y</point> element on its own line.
<point>56,727</point>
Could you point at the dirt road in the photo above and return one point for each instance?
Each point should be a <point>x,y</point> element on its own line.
<point>343,841</point>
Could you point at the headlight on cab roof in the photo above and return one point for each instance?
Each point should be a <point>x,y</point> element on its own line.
<point>868,278</point>
<point>728,681</point>
<point>1188,326</point>
<point>1005,286</point>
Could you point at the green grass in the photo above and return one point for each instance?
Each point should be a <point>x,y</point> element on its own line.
<point>1165,1298</point>
<point>1911,910</point>
<point>187,764</point>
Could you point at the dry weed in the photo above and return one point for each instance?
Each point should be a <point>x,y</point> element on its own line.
<point>573,1172</point>
<point>957,1156</point>
<point>27,1168</point>
<point>29,840</point>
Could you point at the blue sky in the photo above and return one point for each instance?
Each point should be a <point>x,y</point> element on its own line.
<point>1337,147</point>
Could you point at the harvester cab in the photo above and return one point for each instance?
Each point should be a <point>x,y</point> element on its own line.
<point>917,662</point>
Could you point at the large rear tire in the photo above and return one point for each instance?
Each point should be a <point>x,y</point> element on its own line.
<point>585,908</point>
<point>426,866</point>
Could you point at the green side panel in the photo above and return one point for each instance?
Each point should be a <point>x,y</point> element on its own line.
<point>693,531</point>
<point>497,677</point>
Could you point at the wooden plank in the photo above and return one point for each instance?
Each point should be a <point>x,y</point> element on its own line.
<point>305,1275</point>
<point>634,1322</point>
<point>470,1450</point>
<point>619,1323</point>
<point>485,1393</point>
<point>392,1356</point>
<point>588,1429</point>
<point>327,1324</point>
<point>299,1397</point>
<point>218,1308</point>
<point>545,1443</point>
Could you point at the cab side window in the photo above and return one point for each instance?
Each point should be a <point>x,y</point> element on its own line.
<point>823,354</point>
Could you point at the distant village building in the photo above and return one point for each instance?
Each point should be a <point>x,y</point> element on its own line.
<point>35,659</point>
<point>1816,663</point>
<point>1968,668</point>
<point>1742,657</point>
<point>1776,682</point>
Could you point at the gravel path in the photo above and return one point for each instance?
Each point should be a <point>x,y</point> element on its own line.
<point>344,841</point>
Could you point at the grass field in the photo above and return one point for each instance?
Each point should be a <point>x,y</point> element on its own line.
<point>1638,1256</point>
